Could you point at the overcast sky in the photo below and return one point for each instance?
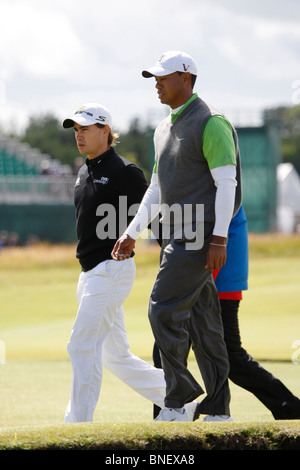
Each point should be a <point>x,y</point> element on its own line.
<point>59,54</point>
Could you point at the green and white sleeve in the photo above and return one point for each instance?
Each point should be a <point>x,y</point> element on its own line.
<point>219,150</point>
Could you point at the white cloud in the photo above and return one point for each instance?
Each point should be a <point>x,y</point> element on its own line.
<point>56,55</point>
<point>39,42</point>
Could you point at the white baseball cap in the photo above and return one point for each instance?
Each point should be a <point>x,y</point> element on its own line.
<point>170,62</point>
<point>88,114</point>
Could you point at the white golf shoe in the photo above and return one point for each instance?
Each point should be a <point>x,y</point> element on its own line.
<point>224,418</point>
<point>189,413</point>
<point>191,410</point>
<point>169,414</point>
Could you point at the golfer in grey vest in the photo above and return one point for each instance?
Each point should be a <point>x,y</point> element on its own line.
<point>195,185</point>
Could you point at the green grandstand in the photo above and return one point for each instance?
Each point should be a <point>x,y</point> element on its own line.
<point>36,192</point>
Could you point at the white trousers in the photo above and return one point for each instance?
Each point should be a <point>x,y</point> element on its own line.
<point>99,339</point>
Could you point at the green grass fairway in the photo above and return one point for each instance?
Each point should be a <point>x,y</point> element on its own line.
<point>38,307</point>
<point>34,393</point>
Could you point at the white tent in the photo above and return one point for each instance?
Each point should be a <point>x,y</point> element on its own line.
<point>288,198</point>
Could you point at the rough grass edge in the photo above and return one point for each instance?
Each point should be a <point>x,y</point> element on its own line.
<point>147,254</point>
<point>283,435</point>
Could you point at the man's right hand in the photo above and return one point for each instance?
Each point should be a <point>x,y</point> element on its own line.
<point>123,248</point>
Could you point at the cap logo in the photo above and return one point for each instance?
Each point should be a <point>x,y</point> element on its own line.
<point>82,111</point>
<point>186,67</point>
<point>101,118</point>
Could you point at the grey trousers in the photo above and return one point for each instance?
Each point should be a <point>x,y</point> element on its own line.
<point>184,308</point>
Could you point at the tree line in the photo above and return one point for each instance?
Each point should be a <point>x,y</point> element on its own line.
<point>136,144</point>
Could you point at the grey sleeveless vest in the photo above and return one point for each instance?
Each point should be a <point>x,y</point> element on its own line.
<point>183,173</point>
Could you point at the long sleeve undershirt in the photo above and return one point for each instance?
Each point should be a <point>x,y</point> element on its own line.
<point>224,178</point>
